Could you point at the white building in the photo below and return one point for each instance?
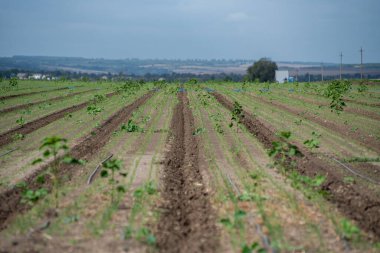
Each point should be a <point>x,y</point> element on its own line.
<point>282,76</point>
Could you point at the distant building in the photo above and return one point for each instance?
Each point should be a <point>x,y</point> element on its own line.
<point>22,76</point>
<point>36,77</point>
<point>282,76</point>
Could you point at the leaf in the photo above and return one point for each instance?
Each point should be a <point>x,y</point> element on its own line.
<point>38,160</point>
<point>104,173</point>
<point>226,222</point>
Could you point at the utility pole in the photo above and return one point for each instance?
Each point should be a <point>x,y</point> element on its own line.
<point>341,60</point>
<point>322,71</point>
<point>361,63</point>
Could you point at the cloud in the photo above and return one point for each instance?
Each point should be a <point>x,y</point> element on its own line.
<point>237,16</point>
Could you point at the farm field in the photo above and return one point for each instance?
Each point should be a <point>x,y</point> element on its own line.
<point>193,167</point>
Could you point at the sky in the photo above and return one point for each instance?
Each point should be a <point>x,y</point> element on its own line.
<point>283,30</point>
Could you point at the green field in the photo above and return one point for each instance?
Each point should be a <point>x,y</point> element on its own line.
<point>238,167</point>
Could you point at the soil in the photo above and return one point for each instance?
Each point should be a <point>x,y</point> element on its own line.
<point>88,147</point>
<point>19,107</point>
<point>7,137</point>
<point>365,139</point>
<point>189,221</point>
<point>30,93</point>
<point>355,201</point>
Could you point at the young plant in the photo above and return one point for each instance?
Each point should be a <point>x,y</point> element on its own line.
<point>237,115</point>
<point>111,168</point>
<point>335,91</point>
<point>283,148</point>
<point>55,148</point>
<point>13,82</point>
<point>29,196</point>
<point>20,121</point>
<point>253,248</point>
<point>131,127</point>
<point>94,110</point>
<point>18,136</point>
<point>313,142</point>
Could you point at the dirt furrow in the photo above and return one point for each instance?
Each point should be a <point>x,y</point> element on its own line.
<point>188,224</point>
<point>365,139</point>
<point>18,107</point>
<point>89,146</point>
<point>355,201</point>
<point>31,93</point>
<point>7,137</point>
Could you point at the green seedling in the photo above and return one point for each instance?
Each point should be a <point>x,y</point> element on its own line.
<point>218,120</point>
<point>237,115</point>
<point>55,148</point>
<point>94,110</point>
<point>253,248</point>
<point>298,122</point>
<point>283,148</point>
<point>31,197</point>
<point>18,136</point>
<point>98,98</point>
<point>110,168</point>
<point>313,142</point>
<point>349,230</point>
<point>13,82</point>
<point>131,127</point>
<point>199,131</point>
<point>20,121</point>
<point>348,180</point>
<point>362,87</point>
<point>146,236</point>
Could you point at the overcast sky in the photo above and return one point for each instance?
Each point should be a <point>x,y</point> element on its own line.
<point>291,30</point>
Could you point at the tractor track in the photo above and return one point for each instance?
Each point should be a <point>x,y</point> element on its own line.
<point>10,199</point>
<point>356,202</point>
<point>7,137</point>
<point>18,107</point>
<point>188,223</point>
<point>32,93</point>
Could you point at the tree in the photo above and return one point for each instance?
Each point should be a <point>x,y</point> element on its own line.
<point>264,70</point>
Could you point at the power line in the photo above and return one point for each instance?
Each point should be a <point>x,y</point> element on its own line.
<point>361,63</point>
<point>341,60</point>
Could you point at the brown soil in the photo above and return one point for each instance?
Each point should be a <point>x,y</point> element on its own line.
<point>365,139</point>
<point>89,146</point>
<point>30,93</point>
<point>188,223</point>
<point>355,201</point>
<point>32,126</point>
<point>19,107</point>
<point>349,108</point>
